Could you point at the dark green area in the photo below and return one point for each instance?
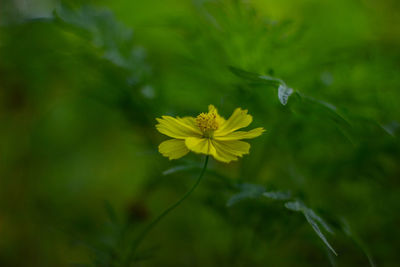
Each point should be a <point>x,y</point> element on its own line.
<point>81,84</point>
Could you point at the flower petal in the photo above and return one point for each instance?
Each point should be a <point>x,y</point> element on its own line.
<point>200,145</point>
<point>225,151</point>
<point>179,128</point>
<point>212,108</point>
<point>223,155</point>
<point>220,119</point>
<point>240,135</point>
<point>173,149</point>
<point>230,150</point>
<point>238,119</point>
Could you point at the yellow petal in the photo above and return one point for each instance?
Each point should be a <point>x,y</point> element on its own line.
<point>206,146</point>
<point>223,155</point>
<point>173,149</point>
<point>200,145</point>
<point>211,108</point>
<point>230,150</point>
<point>179,128</point>
<point>225,151</point>
<point>220,119</point>
<point>238,119</point>
<point>240,135</point>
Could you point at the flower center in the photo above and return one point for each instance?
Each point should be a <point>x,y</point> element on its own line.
<point>207,122</point>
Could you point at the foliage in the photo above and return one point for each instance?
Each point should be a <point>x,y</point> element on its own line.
<point>81,83</point>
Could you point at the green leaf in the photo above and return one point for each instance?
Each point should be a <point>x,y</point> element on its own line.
<point>244,74</point>
<point>309,106</point>
<point>272,80</point>
<point>277,195</point>
<point>312,219</point>
<point>348,231</point>
<point>392,128</point>
<point>294,205</point>
<point>283,93</point>
<point>314,216</point>
<point>254,77</point>
<point>283,90</point>
<point>314,225</point>
<point>110,36</point>
<point>247,191</point>
<point>179,168</point>
<point>329,109</point>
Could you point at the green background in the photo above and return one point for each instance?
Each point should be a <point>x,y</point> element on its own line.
<point>81,83</point>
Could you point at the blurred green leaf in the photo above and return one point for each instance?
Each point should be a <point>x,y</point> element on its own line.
<point>284,93</point>
<point>277,195</point>
<point>179,168</point>
<point>79,91</point>
<point>255,78</point>
<point>310,216</point>
<point>247,191</point>
<point>105,32</point>
<point>348,231</point>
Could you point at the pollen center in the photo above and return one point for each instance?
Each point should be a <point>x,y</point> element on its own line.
<point>207,122</point>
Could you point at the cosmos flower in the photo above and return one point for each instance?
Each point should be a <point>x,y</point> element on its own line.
<point>208,134</point>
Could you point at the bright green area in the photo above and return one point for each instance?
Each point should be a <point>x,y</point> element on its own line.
<point>80,175</point>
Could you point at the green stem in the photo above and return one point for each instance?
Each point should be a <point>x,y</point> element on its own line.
<point>143,234</point>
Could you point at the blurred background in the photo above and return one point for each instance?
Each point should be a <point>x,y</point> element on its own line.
<point>81,83</point>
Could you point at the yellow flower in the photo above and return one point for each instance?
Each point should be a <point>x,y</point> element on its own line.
<point>208,133</point>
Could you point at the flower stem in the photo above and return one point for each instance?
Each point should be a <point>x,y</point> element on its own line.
<point>143,234</point>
